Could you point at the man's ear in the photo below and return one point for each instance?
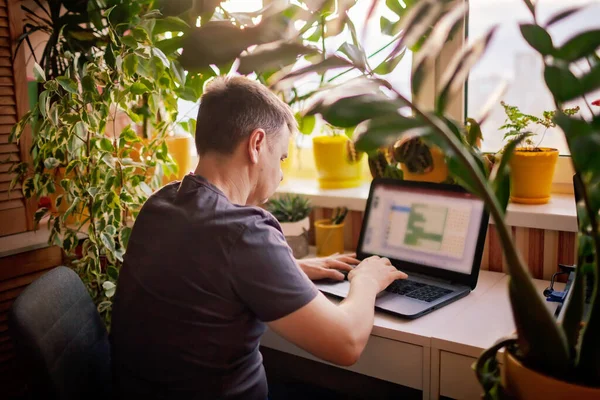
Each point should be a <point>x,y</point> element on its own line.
<point>256,144</point>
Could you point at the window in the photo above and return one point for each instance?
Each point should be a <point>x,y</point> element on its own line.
<point>509,58</point>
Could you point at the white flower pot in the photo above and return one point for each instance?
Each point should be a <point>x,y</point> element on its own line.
<point>295,228</point>
<point>296,234</point>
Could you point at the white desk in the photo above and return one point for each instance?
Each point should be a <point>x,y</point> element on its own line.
<point>434,353</point>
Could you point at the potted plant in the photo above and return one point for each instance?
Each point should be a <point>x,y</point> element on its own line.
<point>329,233</point>
<point>532,166</point>
<point>92,173</point>
<point>292,211</point>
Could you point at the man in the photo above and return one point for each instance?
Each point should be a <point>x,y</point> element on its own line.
<point>206,269</point>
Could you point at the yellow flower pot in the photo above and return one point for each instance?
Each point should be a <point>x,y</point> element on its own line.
<point>179,148</point>
<point>531,175</point>
<point>438,174</point>
<point>335,170</point>
<point>524,383</point>
<point>329,238</point>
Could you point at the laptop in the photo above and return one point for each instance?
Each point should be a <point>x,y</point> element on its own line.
<point>433,232</point>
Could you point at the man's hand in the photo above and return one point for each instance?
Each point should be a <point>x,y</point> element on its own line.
<point>377,270</point>
<point>328,267</point>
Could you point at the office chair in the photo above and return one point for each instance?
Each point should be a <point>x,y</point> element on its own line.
<point>61,339</point>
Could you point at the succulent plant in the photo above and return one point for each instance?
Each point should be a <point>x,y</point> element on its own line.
<point>289,208</point>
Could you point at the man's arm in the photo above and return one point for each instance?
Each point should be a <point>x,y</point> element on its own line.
<point>339,333</point>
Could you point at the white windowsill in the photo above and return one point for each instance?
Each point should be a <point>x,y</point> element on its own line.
<point>558,215</point>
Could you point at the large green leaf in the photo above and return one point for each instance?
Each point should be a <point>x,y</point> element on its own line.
<point>571,322</point>
<point>537,328</point>
<point>538,38</point>
<point>457,72</point>
<point>416,23</point>
<point>170,46</point>
<point>213,43</point>
<point>385,130</point>
<point>580,46</point>
<point>325,65</point>
<point>350,111</point>
<point>500,175</point>
<point>170,24</point>
<point>439,35</point>
<point>395,6</point>
<point>584,143</point>
<point>565,86</point>
<point>174,7</point>
<point>387,66</point>
<point>272,57</point>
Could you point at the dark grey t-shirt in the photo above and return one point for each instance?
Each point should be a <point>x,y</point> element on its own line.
<point>200,278</point>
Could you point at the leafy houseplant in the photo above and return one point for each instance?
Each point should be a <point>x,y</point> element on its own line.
<point>292,212</point>
<point>566,353</point>
<point>100,180</point>
<point>532,166</point>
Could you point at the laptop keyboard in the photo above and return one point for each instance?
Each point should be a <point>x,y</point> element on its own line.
<point>417,290</point>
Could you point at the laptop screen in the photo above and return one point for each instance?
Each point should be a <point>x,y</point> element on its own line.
<point>424,226</point>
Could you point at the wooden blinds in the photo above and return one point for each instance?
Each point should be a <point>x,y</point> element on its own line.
<point>15,211</point>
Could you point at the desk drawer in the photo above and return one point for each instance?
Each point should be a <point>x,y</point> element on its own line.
<point>457,378</point>
<point>386,359</point>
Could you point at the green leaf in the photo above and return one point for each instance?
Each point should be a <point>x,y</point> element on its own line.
<point>580,46</point>
<point>170,46</point>
<point>306,124</point>
<point>531,5</point>
<point>39,214</point>
<point>112,273</point>
<point>178,73</point>
<point>124,236</point>
<point>388,66</point>
<point>395,6</point>
<point>140,35</point>
<point>562,15</point>
<point>272,57</point>
<point>355,54</point>
<point>457,72</point>
<point>38,73</point>
<point>109,288</point>
<point>130,63</point>
<point>563,84</point>
<point>584,143</point>
<point>130,41</point>
<point>385,130</point>
<point>571,322</point>
<point>170,24</point>
<point>106,145</point>
<point>350,111</point>
<point>474,133</point>
<point>161,56</point>
<point>43,103</point>
<point>213,43</point>
<point>386,26</point>
<point>139,88</point>
<point>325,65</point>
<point>500,175</point>
<point>538,38</point>
<point>51,163</point>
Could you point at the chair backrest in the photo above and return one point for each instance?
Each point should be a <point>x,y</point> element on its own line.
<point>61,339</point>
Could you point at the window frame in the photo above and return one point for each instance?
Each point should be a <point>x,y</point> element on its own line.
<point>562,181</point>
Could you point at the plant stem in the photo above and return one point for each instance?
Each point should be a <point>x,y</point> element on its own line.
<point>323,48</point>
<point>368,57</point>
